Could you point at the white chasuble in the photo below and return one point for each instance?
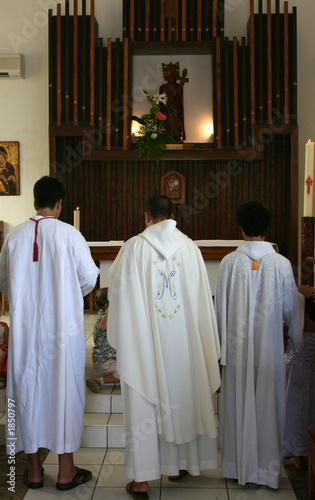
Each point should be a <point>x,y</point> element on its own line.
<point>255,293</point>
<point>46,358</point>
<point>162,323</point>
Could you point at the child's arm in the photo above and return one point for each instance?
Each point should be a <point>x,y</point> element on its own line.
<point>6,337</point>
<point>103,323</point>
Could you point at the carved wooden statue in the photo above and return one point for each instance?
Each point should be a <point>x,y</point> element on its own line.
<point>174,108</point>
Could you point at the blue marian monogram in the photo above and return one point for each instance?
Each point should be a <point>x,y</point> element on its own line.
<point>167,283</point>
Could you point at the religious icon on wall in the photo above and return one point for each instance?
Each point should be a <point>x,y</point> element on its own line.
<point>9,168</point>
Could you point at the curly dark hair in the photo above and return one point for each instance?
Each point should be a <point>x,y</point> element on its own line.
<point>254,218</point>
<point>100,298</point>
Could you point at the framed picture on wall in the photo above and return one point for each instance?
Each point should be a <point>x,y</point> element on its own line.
<point>9,168</point>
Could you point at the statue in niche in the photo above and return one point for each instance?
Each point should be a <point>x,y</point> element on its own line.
<point>174,108</point>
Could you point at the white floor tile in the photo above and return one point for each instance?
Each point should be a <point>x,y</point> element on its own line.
<point>117,406</point>
<point>84,492</point>
<point>116,436</point>
<point>95,437</point>
<point>121,494</point>
<point>115,456</point>
<point>97,403</point>
<point>96,418</point>
<point>198,494</point>
<point>260,494</point>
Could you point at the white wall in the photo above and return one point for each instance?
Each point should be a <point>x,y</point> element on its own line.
<point>24,103</point>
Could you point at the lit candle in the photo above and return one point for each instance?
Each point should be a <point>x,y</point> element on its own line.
<point>309,179</point>
<point>76,218</point>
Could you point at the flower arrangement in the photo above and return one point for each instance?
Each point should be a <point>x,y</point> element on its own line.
<point>152,136</point>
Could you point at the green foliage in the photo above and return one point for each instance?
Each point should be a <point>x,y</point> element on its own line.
<point>153,137</point>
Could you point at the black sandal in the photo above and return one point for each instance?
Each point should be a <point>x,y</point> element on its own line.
<point>81,476</point>
<point>30,484</point>
<point>136,494</point>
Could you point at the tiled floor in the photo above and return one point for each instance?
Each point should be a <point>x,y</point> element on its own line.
<point>108,482</point>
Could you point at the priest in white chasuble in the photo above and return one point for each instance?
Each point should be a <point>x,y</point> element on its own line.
<point>162,323</point>
<point>255,293</point>
<point>45,269</point>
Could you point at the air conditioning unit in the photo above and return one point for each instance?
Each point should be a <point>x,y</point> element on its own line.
<point>12,66</point>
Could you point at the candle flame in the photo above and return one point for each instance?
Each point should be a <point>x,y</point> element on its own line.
<point>78,208</point>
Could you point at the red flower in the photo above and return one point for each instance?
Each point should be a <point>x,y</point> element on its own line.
<point>160,116</point>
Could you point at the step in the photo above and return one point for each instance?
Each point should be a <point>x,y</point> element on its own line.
<point>103,419</point>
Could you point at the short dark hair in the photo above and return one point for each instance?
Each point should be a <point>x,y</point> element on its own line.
<point>47,192</point>
<point>100,298</point>
<point>254,218</point>
<point>159,207</point>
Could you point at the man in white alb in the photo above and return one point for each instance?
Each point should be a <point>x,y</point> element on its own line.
<point>255,293</point>
<point>161,322</point>
<point>45,269</point>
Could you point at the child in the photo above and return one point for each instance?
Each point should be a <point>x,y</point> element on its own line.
<point>103,355</point>
<point>4,340</point>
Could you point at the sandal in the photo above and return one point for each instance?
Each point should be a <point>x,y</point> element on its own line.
<point>81,476</point>
<point>30,484</point>
<point>136,494</point>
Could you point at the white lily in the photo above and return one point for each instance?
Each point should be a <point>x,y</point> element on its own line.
<point>160,98</point>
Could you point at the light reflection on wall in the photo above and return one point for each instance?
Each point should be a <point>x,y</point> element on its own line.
<point>198,92</point>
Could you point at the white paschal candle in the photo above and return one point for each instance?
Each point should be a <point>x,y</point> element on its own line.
<point>309,179</point>
<point>76,218</point>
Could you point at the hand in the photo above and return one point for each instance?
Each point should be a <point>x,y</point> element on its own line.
<point>306,290</point>
<point>311,259</point>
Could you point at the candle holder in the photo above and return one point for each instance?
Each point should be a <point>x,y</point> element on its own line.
<point>307,250</point>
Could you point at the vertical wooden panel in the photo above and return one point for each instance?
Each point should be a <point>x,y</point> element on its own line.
<point>286,63</point>
<point>51,66</point>
<point>132,19</point>
<point>92,62</point>
<point>100,89</point>
<point>235,87</point>
<point>269,62</point>
<point>252,61</point>
<point>176,22</point>
<point>199,17</point>
<point>162,35</point>
<point>184,20</point>
<point>67,51</point>
<point>219,96</point>
<point>109,94</point>
<point>126,89</point>
<point>261,70</point>
<point>215,18</point>
<point>293,68</point>
<point>75,63</point>
<point>147,20</point>
<point>58,64</point>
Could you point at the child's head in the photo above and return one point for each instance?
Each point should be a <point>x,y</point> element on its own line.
<point>101,299</point>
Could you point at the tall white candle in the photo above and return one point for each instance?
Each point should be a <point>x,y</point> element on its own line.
<point>309,179</point>
<point>76,218</point>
